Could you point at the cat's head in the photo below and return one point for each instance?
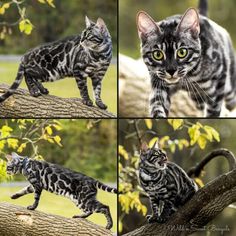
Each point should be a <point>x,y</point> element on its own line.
<point>170,48</point>
<point>152,158</point>
<point>14,163</point>
<point>95,35</point>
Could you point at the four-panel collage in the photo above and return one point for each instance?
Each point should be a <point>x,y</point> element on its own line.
<point>117,117</point>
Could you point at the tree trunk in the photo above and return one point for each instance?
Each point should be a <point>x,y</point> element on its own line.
<point>22,105</point>
<point>204,206</point>
<point>18,221</point>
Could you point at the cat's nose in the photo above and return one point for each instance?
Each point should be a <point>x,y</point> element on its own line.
<point>171,72</point>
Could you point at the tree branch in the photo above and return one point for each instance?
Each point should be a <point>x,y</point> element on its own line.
<point>18,221</point>
<point>22,105</point>
<point>204,206</point>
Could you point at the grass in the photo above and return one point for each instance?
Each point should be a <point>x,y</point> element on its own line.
<point>62,206</point>
<point>67,87</point>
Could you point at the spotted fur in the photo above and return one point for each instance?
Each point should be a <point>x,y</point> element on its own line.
<point>207,72</point>
<point>166,184</point>
<point>82,56</point>
<point>81,189</point>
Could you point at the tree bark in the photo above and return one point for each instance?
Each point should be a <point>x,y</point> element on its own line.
<point>18,221</point>
<point>204,206</point>
<point>22,105</point>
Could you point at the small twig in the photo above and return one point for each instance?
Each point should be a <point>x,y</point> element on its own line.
<point>137,132</point>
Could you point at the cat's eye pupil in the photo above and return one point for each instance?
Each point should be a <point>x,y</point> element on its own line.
<point>182,52</point>
<point>158,55</point>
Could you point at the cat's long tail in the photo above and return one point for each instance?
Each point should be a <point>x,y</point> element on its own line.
<point>15,85</point>
<point>203,7</point>
<point>105,187</point>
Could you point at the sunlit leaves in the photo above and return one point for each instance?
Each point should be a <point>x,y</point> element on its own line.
<point>21,147</point>
<point>5,131</point>
<point>12,143</point>
<point>49,2</point>
<point>176,123</point>
<point>25,26</point>
<point>148,123</point>
<point>123,152</point>
<point>152,141</point>
<point>3,8</point>
<point>199,182</point>
<point>131,200</point>
<point>201,134</point>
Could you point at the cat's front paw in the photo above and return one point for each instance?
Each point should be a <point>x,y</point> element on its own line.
<point>31,207</point>
<point>101,105</point>
<point>15,196</point>
<point>157,114</point>
<point>87,102</point>
<point>44,91</point>
<point>155,218</point>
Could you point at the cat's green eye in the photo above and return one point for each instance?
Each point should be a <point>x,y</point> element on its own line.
<point>182,52</point>
<point>158,55</point>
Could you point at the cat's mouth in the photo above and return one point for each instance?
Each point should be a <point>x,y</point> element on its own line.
<point>163,162</point>
<point>172,80</point>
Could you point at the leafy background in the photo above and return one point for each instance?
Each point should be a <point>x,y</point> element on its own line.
<point>86,146</point>
<point>186,142</point>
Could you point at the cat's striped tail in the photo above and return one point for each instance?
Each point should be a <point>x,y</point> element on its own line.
<point>203,7</point>
<point>105,187</point>
<point>15,85</point>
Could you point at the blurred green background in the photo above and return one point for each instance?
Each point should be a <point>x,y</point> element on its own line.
<point>67,18</point>
<point>186,158</point>
<point>220,11</point>
<point>87,146</point>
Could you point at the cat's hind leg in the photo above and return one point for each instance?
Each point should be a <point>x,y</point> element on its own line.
<point>97,83</point>
<point>28,189</point>
<point>41,88</point>
<point>84,215</point>
<point>101,208</point>
<point>32,86</point>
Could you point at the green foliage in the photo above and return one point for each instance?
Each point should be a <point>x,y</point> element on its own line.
<point>86,146</point>
<point>24,23</point>
<point>67,18</point>
<point>23,136</point>
<point>191,135</point>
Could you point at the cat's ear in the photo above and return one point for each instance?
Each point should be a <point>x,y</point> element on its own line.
<point>190,23</point>
<point>155,145</point>
<point>8,157</point>
<point>101,24</point>
<point>88,22</point>
<point>146,25</point>
<point>144,147</point>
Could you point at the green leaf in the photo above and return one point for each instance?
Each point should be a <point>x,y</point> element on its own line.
<point>176,123</point>
<point>49,130</point>
<point>202,141</point>
<point>25,26</point>
<point>211,133</point>
<point>152,141</point>
<point>58,140</point>
<point>194,134</point>
<point>148,123</point>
